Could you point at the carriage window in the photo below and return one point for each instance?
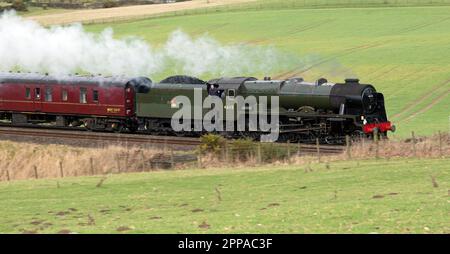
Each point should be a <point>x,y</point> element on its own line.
<point>95,95</point>
<point>48,94</point>
<point>37,92</point>
<point>64,95</point>
<point>231,93</point>
<point>83,95</point>
<point>27,93</point>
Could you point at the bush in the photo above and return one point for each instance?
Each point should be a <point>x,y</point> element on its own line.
<point>242,149</point>
<point>110,4</point>
<point>211,143</point>
<point>271,152</point>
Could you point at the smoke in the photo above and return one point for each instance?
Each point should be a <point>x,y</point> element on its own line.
<point>27,46</point>
<point>206,55</point>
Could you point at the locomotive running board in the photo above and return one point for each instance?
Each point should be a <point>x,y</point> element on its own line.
<point>300,130</point>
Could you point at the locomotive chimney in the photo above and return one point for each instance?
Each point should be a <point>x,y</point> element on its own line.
<point>321,81</point>
<point>352,81</point>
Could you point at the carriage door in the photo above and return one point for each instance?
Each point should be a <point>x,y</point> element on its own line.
<point>37,98</point>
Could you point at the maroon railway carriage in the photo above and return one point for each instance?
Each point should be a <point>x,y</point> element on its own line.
<point>95,102</point>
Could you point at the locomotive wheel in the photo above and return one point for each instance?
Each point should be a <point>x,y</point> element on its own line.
<point>117,128</point>
<point>132,128</point>
<point>88,124</point>
<point>179,133</point>
<point>334,140</point>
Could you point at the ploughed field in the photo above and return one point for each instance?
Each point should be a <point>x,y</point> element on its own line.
<point>403,51</point>
<point>384,196</point>
<point>61,16</point>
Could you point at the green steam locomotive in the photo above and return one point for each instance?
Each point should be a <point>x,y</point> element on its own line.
<point>293,109</point>
<point>305,111</point>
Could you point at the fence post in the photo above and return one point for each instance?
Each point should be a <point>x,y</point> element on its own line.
<point>126,161</point>
<point>375,138</point>
<point>298,149</point>
<point>118,164</point>
<point>7,175</point>
<point>414,143</point>
<point>35,172</point>
<point>288,151</point>
<point>259,153</point>
<point>347,143</point>
<point>91,162</point>
<point>318,149</point>
<point>440,144</point>
<point>363,142</point>
<point>172,162</point>
<point>227,152</point>
<point>61,169</point>
<point>143,160</point>
<point>199,160</point>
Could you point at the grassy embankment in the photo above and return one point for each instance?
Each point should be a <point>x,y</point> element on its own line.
<point>385,196</point>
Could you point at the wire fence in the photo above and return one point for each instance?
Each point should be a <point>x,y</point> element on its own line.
<point>23,164</point>
<point>436,146</point>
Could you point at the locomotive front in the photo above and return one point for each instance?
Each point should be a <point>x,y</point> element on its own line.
<point>348,100</point>
<point>364,101</point>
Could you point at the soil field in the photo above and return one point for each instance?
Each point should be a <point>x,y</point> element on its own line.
<point>128,12</point>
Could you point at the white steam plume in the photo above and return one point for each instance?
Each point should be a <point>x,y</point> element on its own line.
<point>27,46</point>
<point>206,55</point>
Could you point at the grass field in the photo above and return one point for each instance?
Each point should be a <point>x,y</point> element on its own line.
<point>403,51</point>
<point>396,196</point>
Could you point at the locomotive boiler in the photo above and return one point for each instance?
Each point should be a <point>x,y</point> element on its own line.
<point>324,110</point>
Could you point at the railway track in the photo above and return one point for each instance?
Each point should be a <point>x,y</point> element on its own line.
<point>96,136</point>
<point>65,136</point>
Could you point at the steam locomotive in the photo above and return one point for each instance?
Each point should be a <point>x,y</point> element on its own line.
<point>306,111</point>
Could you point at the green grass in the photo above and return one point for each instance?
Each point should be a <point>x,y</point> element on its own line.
<point>276,199</point>
<point>291,4</point>
<point>403,51</point>
<point>303,4</point>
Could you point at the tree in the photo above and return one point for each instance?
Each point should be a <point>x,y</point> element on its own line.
<point>19,5</point>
